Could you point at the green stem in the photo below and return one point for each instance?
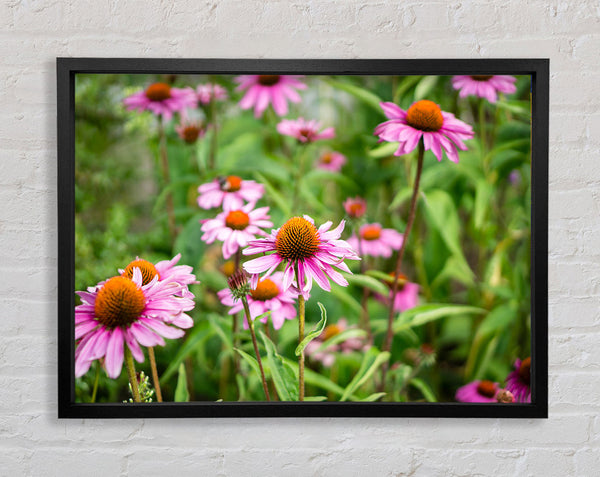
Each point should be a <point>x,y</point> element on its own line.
<point>96,379</point>
<point>131,374</point>
<point>255,344</point>
<point>411,218</point>
<point>164,161</point>
<point>154,370</point>
<point>301,313</point>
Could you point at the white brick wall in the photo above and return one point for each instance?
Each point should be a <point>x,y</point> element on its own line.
<point>33,442</point>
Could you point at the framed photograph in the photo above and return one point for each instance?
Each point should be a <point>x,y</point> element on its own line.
<point>291,238</point>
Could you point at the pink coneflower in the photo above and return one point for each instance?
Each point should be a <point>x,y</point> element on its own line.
<point>424,119</point>
<point>161,99</point>
<point>331,161</point>
<point>268,296</point>
<point>327,355</point>
<point>120,311</point>
<point>229,192</point>
<point>210,92</point>
<point>484,86</point>
<point>407,295</point>
<point>478,391</point>
<point>165,270</point>
<point>190,131</point>
<point>235,228</point>
<point>265,89</point>
<point>376,241</point>
<point>303,130</point>
<point>313,252</point>
<point>518,381</point>
<point>356,207</point>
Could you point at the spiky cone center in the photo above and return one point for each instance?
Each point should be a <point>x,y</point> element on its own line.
<point>326,158</point>
<point>119,302</point>
<point>330,331</point>
<point>525,370</point>
<point>425,115</point>
<point>237,220</point>
<point>231,183</point>
<point>238,284</point>
<point>356,209</point>
<point>191,133</point>
<point>268,80</point>
<point>487,388</point>
<point>370,232</point>
<point>481,77</point>
<point>297,239</point>
<point>265,290</point>
<point>402,281</point>
<point>158,92</point>
<point>147,269</point>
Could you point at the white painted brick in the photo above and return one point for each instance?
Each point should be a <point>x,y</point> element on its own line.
<point>541,461</point>
<point>587,461</point>
<point>575,351</point>
<point>90,462</point>
<point>574,313</point>
<point>579,279</point>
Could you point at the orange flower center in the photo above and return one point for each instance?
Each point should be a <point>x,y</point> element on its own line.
<point>425,115</point>
<point>525,370</point>
<point>119,302</point>
<point>228,268</point>
<point>297,239</point>
<point>265,290</point>
<point>237,220</point>
<point>326,158</point>
<point>148,270</point>
<point>158,92</point>
<point>370,232</point>
<point>486,388</point>
<point>231,184</point>
<point>330,331</point>
<point>481,77</point>
<point>190,134</point>
<point>268,80</point>
<point>402,280</point>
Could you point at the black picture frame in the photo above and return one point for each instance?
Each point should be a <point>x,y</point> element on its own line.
<point>67,68</point>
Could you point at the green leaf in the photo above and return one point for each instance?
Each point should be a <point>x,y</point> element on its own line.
<point>315,398</point>
<point>340,337</point>
<point>251,360</point>
<point>424,388</point>
<point>373,397</point>
<point>316,176</point>
<point>372,360</point>
<point>407,83</point>
<point>225,337</point>
<point>273,194</point>
<point>199,334</point>
<point>426,313</point>
<point>387,149</point>
<point>386,277</point>
<point>341,294</point>
<point>359,93</point>
<point>367,282</point>
<point>285,381</point>
<point>403,194</point>
<point>483,195</point>
<point>314,379</point>
<point>317,330</point>
<point>425,87</point>
<point>443,216</point>
<point>181,391</point>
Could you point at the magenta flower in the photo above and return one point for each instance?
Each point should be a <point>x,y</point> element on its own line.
<point>424,119</point>
<point>229,192</point>
<point>484,86</point>
<point>235,228</point>
<point>518,381</point>
<point>376,241</point>
<point>165,270</point>
<point>299,244</point>
<point>190,131</point>
<point>331,161</point>
<point>303,130</point>
<point>407,294</point>
<point>268,296</point>
<point>355,208</point>
<point>478,391</point>
<point>161,99</point>
<point>327,355</point>
<point>265,89</point>
<point>210,92</point>
<point>121,311</point>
